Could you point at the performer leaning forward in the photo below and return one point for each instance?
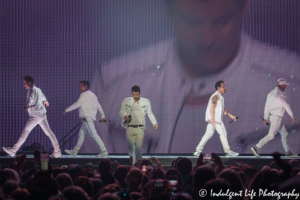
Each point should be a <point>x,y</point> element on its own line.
<point>275,107</point>
<point>214,118</point>
<point>87,105</point>
<point>37,115</point>
<point>133,112</point>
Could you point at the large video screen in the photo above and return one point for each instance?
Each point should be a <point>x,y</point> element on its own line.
<point>175,50</point>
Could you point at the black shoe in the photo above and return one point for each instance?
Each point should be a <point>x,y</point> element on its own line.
<point>255,151</point>
<point>290,153</point>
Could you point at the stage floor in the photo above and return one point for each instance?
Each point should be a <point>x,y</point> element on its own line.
<point>165,159</point>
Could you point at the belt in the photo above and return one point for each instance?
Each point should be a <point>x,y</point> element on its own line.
<point>135,126</point>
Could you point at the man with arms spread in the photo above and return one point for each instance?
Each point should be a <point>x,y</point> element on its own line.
<point>178,74</point>
<point>133,112</point>
<point>214,117</point>
<point>275,107</point>
<point>87,105</point>
<point>37,115</point>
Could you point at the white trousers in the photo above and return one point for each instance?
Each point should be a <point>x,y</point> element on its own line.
<point>31,123</point>
<point>210,129</point>
<point>135,135</point>
<point>276,126</point>
<point>88,127</point>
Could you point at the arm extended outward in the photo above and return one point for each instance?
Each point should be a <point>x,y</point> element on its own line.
<point>229,115</point>
<point>75,105</point>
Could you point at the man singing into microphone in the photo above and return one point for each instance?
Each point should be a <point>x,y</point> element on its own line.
<point>37,115</point>
<point>87,105</point>
<point>214,117</point>
<point>275,107</point>
<point>133,112</point>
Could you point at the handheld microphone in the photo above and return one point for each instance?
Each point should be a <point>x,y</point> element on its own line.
<point>29,107</point>
<point>108,120</point>
<point>233,120</point>
<point>130,113</point>
<point>126,121</point>
<point>264,120</point>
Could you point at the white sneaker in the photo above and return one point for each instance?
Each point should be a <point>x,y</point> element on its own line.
<point>231,153</point>
<point>71,152</point>
<point>56,154</point>
<point>197,153</point>
<point>9,151</point>
<point>290,153</point>
<point>255,151</point>
<point>102,154</point>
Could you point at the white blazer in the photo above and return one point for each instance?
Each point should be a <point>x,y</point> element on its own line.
<point>145,108</point>
<point>35,99</point>
<point>276,104</point>
<point>87,105</point>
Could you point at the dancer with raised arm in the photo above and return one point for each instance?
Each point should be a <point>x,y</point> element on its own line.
<point>35,105</point>
<point>275,107</point>
<point>87,105</point>
<point>214,117</point>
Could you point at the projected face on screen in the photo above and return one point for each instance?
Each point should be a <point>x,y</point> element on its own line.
<point>178,76</point>
<point>175,50</point>
<point>208,32</point>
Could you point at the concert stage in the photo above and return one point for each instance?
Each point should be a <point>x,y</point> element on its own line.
<point>165,159</point>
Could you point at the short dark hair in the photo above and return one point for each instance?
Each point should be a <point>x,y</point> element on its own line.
<point>85,83</point>
<point>107,179</point>
<point>29,164</point>
<point>104,166</point>
<point>64,180</point>
<point>10,186</point>
<point>20,194</point>
<point>146,162</point>
<point>135,88</point>
<point>203,174</point>
<point>218,84</point>
<point>184,166</point>
<point>28,78</point>
<point>158,173</point>
<point>121,173</point>
<point>85,183</point>
<point>75,192</point>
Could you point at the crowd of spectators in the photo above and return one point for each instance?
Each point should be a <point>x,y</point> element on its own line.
<point>148,179</point>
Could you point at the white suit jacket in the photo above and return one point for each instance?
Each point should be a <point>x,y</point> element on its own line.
<point>36,99</point>
<point>145,108</point>
<point>277,105</point>
<point>87,105</point>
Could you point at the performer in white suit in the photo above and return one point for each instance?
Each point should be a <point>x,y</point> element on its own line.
<point>87,105</point>
<point>275,108</point>
<point>133,112</point>
<point>214,117</point>
<point>37,115</point>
